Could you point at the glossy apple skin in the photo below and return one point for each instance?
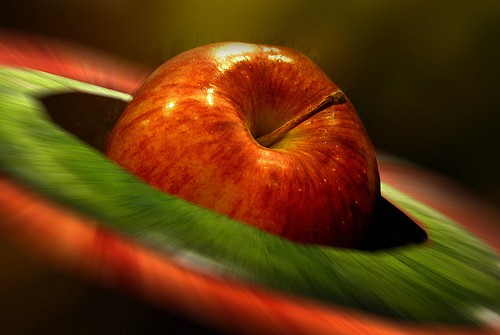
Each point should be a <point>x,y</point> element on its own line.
<point>190,131</point>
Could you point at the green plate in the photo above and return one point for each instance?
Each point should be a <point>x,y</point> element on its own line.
<point>453,278</point>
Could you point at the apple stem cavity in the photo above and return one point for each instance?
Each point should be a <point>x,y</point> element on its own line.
<point>336,98</point>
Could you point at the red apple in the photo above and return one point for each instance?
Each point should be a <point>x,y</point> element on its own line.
<point>255,132</point>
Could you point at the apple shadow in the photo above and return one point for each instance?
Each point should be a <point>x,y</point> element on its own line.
<point>87,116</point>
<point>91,118</point>
<point>391,228</point>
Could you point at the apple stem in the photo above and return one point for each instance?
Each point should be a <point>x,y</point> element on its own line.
<point>336,98</point>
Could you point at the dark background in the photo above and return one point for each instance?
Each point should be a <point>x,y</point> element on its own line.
<point>423,75</point>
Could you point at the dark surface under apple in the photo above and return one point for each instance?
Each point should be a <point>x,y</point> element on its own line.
<point>78,113</point>
<point>38,299</point>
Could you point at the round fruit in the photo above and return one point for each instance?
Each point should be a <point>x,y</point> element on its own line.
<point>258,133</point>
